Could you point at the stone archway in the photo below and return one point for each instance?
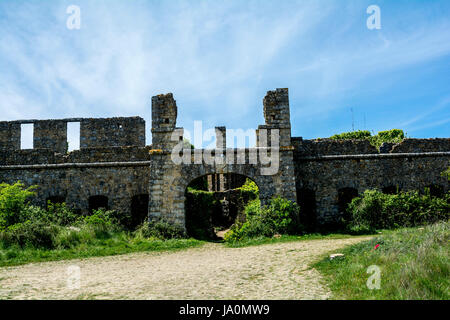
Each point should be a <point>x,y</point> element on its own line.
<point>168,182</point>
<point>209,211</point>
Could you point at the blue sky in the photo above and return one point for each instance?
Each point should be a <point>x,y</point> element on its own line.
<point>220,57</point>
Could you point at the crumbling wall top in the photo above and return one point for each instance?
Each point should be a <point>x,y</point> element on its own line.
<point>276,108</point>
<point>164,112</point>
<point>113,132</point>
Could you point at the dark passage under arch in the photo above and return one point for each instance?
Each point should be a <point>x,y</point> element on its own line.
<point>213,203</point>
<point>98,202</point>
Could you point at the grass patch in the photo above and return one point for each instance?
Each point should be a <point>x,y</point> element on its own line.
<point>284,238</point>
<point>116,244</point>
<point>414,263</point>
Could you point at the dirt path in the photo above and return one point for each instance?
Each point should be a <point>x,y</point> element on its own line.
<point>276,271</point>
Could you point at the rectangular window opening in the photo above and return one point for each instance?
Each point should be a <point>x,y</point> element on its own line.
<point>26,136</point>
<point>73,136</point>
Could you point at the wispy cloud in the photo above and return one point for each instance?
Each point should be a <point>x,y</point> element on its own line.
<point>218,57</point>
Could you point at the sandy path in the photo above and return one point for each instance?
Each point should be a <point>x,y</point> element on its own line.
<point>275,271</point>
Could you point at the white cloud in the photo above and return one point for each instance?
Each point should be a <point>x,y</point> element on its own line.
<point>218,57</point>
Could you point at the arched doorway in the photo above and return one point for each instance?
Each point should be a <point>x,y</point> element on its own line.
<point>214,202</point>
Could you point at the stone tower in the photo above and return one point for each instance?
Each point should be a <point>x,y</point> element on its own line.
<point>164,120</point>
<point>276,116</point>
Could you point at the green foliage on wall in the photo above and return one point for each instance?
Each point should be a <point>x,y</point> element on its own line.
<point>249,190</point>
<point>357,135</point>
<point>390,136</point>
<point>200,207</point>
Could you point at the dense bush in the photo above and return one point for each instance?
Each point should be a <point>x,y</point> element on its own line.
<point>160,229</point>
<point>37,234</point>
<point>357,135</point>
<point>280,216</point>
<point>376,210</point>
<point>391,136</point>
<point>13,201</point>
<point>249,190</point>
<point>59,213</point>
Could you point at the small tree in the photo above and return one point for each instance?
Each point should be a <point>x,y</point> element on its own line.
<point>13,200</point>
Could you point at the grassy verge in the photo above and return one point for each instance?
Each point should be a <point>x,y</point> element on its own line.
<point>246,242</point>
<point>118,243</point>
<point>414,264</point>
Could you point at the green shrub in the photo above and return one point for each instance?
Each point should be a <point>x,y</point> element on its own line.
<point>13,200</point>
<point>249,191</point>
<point>160,229</point>
<point>98,218</point>
<point>391,136</point>
<point>376,210</point>
<point>102,222</point>
<point>60,214</point>
<point>357,135</point>
<point>37,234</point>
<point>280,216</point>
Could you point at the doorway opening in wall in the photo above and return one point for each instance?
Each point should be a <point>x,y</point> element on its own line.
<point>97,203</point>
<point>214,202</point>
<point>139,210</point>
<point>307,200</point>
<point>345,196</point>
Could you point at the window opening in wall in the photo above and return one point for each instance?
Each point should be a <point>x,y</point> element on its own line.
<point>26,136</point>
<point>73,136</point>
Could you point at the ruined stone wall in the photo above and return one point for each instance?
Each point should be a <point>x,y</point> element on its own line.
<point>85,155</point>
<point>276,116</point>
<point>332,147</point>
<point>77,184</point>
<point>323,177</point>
<point>323,147</point>
<point>113,161</point>
<point>422,145</point>
<point>164,120</point>
<point>9,135</point>
<point>50,134</point>
<point>168,181</point>
<point>114,132</point>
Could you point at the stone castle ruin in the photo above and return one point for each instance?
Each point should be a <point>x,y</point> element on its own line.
<point>115,169</point>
